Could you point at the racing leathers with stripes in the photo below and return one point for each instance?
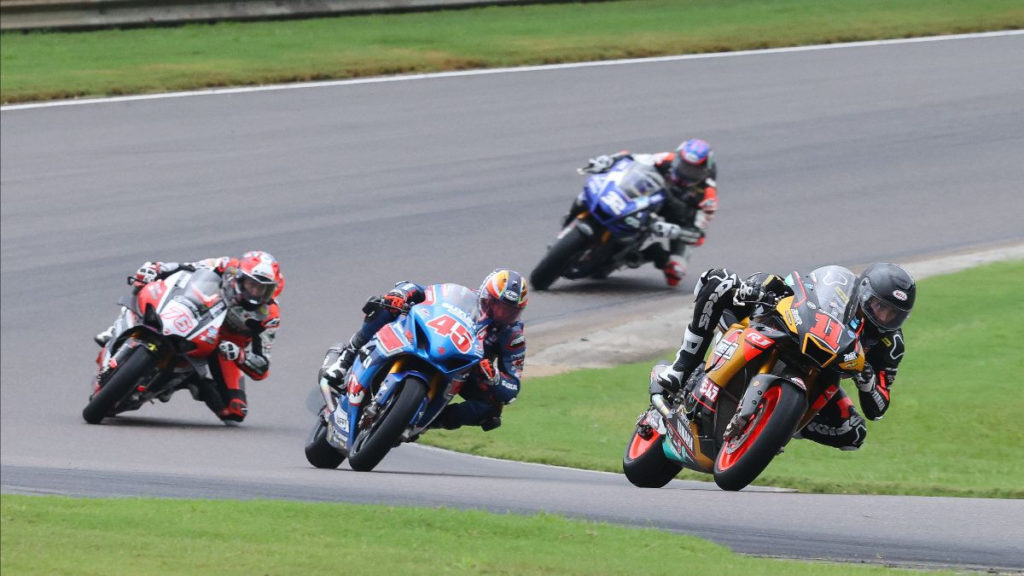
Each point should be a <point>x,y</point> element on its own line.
<point>488,387</point>
<point>252,331</point>
<point>838,423</point>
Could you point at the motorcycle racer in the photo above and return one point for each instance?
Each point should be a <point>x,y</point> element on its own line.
<point>880,302</point>
<point>250,285</point>
<point>689,174</point>
<point>491,384</point>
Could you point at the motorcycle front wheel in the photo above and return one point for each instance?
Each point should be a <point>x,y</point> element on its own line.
<point>119,384</point>
<point>561,254</point>
<point>743,458</point>
<point>370,447</point>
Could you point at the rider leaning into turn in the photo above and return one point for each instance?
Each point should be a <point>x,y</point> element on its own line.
<point>884,295</point>
<point>491,384</point>
<point>689,174</point>
<point>250,286</point>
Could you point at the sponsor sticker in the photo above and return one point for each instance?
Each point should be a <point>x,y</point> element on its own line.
<point>683,429</point>
<point>758,339</point>
<point>709,390</point>
<point>725,349</point>
<point>341,421</point>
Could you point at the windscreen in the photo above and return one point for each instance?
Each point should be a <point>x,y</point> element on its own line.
<point>639,180</point>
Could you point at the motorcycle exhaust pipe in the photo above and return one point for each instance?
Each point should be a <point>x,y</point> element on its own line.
<point>325,390</point>
<point>658,401</point>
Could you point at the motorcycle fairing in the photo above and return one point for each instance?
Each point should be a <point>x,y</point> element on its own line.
<point>742,347</point>
<point>815,313</point>
<point>189,307</point>
<point>436,342</point>
<point>623,198</point>
<point>178,319</point>
<point>684,445</point>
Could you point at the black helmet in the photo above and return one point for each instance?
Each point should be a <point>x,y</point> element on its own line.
<point>885,294</point>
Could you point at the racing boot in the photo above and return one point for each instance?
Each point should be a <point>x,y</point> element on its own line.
<point>673,377</point>
<point>337,362</point>
<point>235,411</point>
<point>490,423</point>
<point>103,337</point>
<point>674,271</point>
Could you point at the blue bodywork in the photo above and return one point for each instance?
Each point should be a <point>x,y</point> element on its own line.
<point>623,198</point>
<point>436,343</point>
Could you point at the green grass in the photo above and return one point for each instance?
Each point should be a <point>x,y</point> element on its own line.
<point>44,65</point>
<point>53,536</point>
<point>954,427</point>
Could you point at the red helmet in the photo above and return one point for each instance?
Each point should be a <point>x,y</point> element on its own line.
<point>255,281</point>
<point>503,295</point>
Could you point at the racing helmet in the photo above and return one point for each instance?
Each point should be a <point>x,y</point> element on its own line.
<point>254,282</point>
<point>503,295</point>
<point>691,164</point>
<point>884,295</point>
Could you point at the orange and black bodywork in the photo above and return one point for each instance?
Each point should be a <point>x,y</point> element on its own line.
<point>766,377</point>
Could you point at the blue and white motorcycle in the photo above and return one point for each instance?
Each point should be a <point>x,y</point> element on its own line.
<point>404,377</point>
<point>619,216</point>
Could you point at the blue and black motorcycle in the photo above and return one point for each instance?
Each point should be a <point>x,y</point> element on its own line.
<point>620,209</point>
<point>403,379</point>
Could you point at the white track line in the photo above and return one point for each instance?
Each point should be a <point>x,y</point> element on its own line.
<point>481,72</point>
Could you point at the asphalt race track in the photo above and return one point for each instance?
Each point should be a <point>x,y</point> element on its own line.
<point>848,155</point>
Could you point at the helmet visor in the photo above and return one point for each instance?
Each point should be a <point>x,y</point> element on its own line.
<point>883,313</point>
<point>687,174</point>
<point>500,312</point>
<point>254,291</point>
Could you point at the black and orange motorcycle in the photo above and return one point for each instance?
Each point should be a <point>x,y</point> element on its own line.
<point>767,376</point>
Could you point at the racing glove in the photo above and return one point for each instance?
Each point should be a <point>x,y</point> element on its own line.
<point>146,273</point>
<point>663,229</point>
<point>489,373</point>
<point>865,379</point>
<point>688,234</point>
<point>396,301</point>
<point>671,379</point>
<point>597,165</point>
<point>231,351</point>
<point>747,292</point>
<point>603,162</point>
<point>772,286</point>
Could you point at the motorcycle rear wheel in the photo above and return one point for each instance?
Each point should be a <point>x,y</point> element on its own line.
<point>383,434</point>
<point>137,364</point>
<point>319,452</point>
<point>645,463</point>
<point>742,459</point>
<point>559,257</point>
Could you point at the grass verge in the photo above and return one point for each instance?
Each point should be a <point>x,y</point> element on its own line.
<point>954,427</point>
<point>52,536</point>
<point>47,65</point>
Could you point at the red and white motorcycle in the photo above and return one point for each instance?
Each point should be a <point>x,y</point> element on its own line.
<point>161,341</point>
